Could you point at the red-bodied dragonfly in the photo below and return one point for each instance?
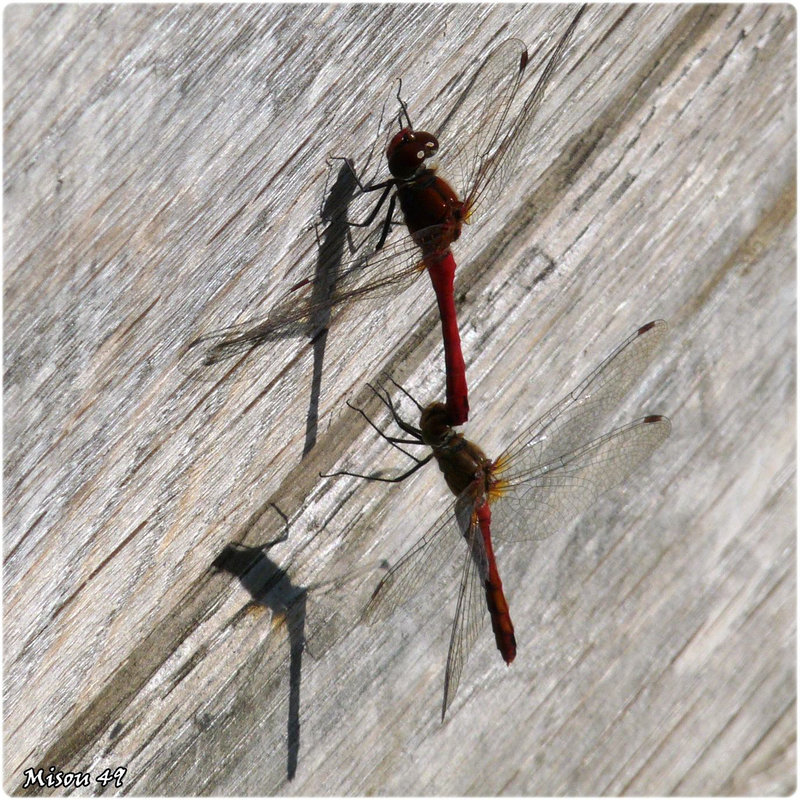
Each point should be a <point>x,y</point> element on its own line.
<point>432,210</point>
<point>554,470</point>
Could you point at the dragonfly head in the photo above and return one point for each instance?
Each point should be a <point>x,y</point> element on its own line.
<point>434,422</point>
<point>408,151</point>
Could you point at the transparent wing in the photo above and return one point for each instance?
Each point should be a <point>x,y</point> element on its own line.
<point>432,560</point>
<point>577,418</point>
<point>542,499</point>
<point>470,607</point>
<point>492,176</point>
<point>481,111</point>
<point>307,306</point>
<point>487,158</point>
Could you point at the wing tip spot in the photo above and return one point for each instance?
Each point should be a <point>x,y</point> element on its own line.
<point>656,323</point>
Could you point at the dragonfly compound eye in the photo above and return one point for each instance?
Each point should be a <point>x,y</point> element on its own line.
<point>408,150</point>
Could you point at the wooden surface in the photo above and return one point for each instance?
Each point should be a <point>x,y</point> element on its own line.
<point>164,168</point>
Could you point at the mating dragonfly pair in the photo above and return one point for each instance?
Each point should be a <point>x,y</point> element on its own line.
<point>559,465</point>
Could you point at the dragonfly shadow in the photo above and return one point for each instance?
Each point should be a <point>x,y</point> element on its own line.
<point>270,587</point>
<point>304,311</point>
<point>313,627</point>
<point>331,255</point>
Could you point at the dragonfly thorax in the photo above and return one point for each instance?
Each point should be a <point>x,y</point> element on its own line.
<point>462,462</point>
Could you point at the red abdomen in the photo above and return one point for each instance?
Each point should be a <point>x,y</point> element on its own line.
<point>502,626</point>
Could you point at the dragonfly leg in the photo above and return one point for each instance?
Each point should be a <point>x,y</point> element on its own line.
<point>387,187</point>
<point>394,441</point>
<point>421,462</point>
<point>368,187</point>
<point>374,213</point>
<point>387,223</point>
<point>399,421</point>
<point>406,393</point>
<point>403,107</point>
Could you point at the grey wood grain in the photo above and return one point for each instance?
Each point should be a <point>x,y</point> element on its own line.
<point>164,169</point>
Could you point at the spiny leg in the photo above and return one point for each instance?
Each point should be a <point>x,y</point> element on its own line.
<point>406,393</point>
<point>420,463</point>
<point>410,429</point>
<point>394,441</point>
<point>387,187</point>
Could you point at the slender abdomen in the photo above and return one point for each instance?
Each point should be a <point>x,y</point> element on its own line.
<point>495,599</point>
<point>442,272</point>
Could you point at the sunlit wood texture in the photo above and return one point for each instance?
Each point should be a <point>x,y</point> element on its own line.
<point>164,168</point>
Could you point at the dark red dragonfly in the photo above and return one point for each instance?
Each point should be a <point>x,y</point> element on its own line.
<point>432,210</point>
<point>554,470</point>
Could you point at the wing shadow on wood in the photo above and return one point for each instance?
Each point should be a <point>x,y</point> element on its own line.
<point>304,311</point>
<point>271,587</point>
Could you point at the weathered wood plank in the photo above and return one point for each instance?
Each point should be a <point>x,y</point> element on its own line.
<point>164,167</point>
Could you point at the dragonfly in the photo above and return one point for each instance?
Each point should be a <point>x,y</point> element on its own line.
<point>432,210</point>
<point>552,472</point>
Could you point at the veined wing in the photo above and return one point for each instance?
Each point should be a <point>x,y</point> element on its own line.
<point>493,176</point>
<point>471,605</point>
<point>431,561</point>
<point>494,150</point>
<point>470,134</point>
<point>533,501</point>
<point>577,418</point>
<point>306,307</point>
<point>422,568</point>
